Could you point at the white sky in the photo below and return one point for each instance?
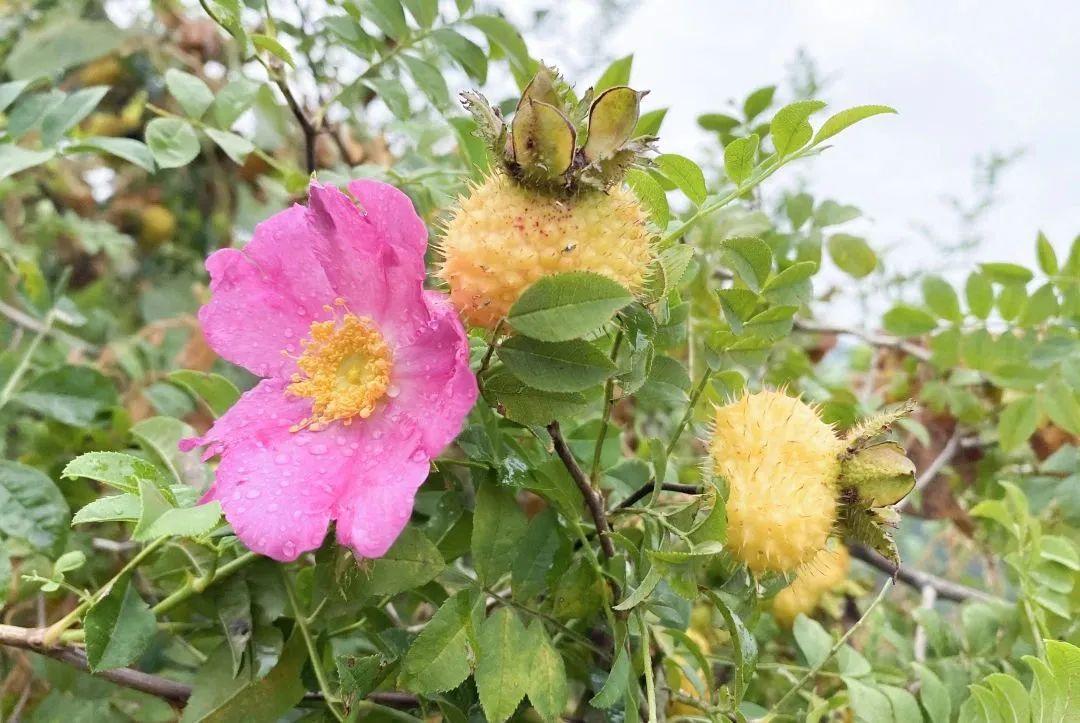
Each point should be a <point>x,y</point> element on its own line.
<point>969,78</point>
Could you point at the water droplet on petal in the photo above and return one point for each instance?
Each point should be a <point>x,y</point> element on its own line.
<point>318,449</point>
<point>252,494</point>
<point>392,391</point>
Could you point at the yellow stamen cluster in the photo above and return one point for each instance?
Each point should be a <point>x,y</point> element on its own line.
<point>825,572</point>
<point>344,370</point>
<point>504,237</point>
<point>781,463</point>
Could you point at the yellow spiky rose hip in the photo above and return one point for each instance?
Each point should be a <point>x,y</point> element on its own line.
<point>503,237</point>
<point>781,463</point>
<point>551,205</point>
<point>825,571</point>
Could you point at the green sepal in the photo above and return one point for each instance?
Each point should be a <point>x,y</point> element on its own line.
<point>881,473</point>
<point>543,140</point>
<point>612,119</point>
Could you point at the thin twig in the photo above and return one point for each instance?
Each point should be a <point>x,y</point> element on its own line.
<point>646,488</point>
<point>946,589</point>
<point>929,597</point>
<point>881,340</point>
<point>26,321</point>
<point>592,497</point>
<point>306,126</point>
<point>944,457</point>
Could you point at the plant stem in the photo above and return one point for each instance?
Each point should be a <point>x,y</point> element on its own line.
<point>609,388</point>
<point>832,651</point>
<point>695,395</point>
<point>592,497</point>
<point>313,653</point>
<point>188,589</point>
<point>52,635</point>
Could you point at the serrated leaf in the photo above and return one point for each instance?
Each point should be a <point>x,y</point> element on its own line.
<point>933,695</point>
<point>172,142</point>
<point>750,258</point>
<point>216,391</point>
<point>567,306</point>
<point>905,320</point>
<point>185,522</point>
<point>31,507</point>
<point>535,558</point>
<point>739,158</point>
<point>523,404</point>
<point>74,395</point>
<point>502,672</point>
<point>466,53</point>
<point>758,101</point>
<point>852,255</point>
<point>429,79</point>
<point>546,684</point>
<point>115,469</point>
<point>193,95</point>
<point>1017,422</point>
<point>236,147</point>
<point>567,366</point>
<point>112,508</point>
<point>128,149</point>
<point>75,107</point>
<point>498,526</point>
<point>119,627</point>
<point>685,174</point>
<point>790,129</point>
<point>616,684</point>
<point>412,561</point>
<point>648,583</point>
<point>439,658</point>
<point>847,118</point>
<point>274,47</point>
<point>649,191</point>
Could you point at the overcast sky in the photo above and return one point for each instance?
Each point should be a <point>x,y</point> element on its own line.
<point>969,78</point>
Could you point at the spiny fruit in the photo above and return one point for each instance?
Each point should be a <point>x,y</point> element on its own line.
<point>781,464</point>
<point>828,569</point>
<point>551,205</point>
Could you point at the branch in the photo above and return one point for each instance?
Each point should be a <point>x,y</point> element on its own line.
<point>28,322</point>
<point>170,690</point>
<point>309,130</point>
<point>646,488</point>
<point>592,498</point>
<point>944,457</point>
<point>884,340</point>
<point>946,589</point>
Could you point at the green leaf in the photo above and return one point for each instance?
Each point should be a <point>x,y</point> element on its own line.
<point>236,147</point>
<point>71,110</point>
<point>429,79</point>
<point>685,174</point>
<point>852,255</point>
<point>392,93</point>
<point>535,556</point>
<point>15,158</point>
<point>1047,257</point>
<point>504,35</point>
<point>1011,699</point>
<point>546,683</point>
<point>231,102</point>
<point>128,149</point>
<point>525,405</point>
<point>274,47</point>
<point>648,583</point>
<point>424,12</point>
<point>193,95</point>
<point>1040,306</point>
<point>1005,273</point>
<point>933,695</point>
<point>813,641</point>
<point>846,118</point>
<point>1060,550</point>
<point>61,43</point>
<point>649,123</point>
<point>618,73</point>
<point>185,522</point>
<point>160,437</point>
<point>739,157</point>
<point>498,526</point>
<point>1017,422</point>
<point>567,306</point>
<point>172,142</point>
<point>412,561</point>
<point>790,128</point>
<point>792,285</point>
<point>359,676</point>
<point>868,702</point>
<point>941,298</point>
<point>905,709</point>
<point>112,508</point>
<point>470,56</point>
<point>232,606</point>
<point>74,395</point>
<point>116,469</point>
<point>31,507</point>
<point>718,122</point>
<point>744,646</point>
<point>904,320</point>
<point>980,295</point>
<point>152,505</point>
<point>502,673</point>
<point>756,103</point>
<point>567,366</point>
<point>1061,405</point>
<point>388,15</point>
<point>438,659</point>
<point>219,697</point>
<point>651,194</point>
<point>217,391</point>
<point>618,679</point>
<point>750,258</point>
<point>10,91</point>
<point>119,627</point>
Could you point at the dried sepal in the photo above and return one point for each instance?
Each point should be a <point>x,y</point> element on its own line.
<point>876,425</point>
<point>880,473</point>
<point>612,119</point>
<point>543,140</point>
<point>489,122</point>
<point>872,527</point>
<point>603,173</point>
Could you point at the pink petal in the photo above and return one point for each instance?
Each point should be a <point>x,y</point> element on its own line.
<point>393,216</point>
<point>437,387</point>
<point>376,279</point>
<point>266,296</point>
<point>377,504</point>
<point>276,487</point>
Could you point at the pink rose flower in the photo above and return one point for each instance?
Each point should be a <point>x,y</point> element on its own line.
<point>366,374</point>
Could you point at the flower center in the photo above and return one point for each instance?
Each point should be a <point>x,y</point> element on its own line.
<point>344,370</point>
